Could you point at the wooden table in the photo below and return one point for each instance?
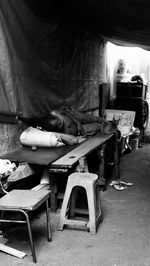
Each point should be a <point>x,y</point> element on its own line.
<point>65,159</point>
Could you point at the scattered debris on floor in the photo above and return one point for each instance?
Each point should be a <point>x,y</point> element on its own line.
<point>120,185</point>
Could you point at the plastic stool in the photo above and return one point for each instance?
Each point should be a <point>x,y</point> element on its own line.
<point>88,181</point>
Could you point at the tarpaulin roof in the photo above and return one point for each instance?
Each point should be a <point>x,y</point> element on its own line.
<point>45,62</point>
<point>52,52</point>
<point>125,22</point>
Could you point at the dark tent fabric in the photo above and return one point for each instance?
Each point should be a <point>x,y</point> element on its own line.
<point>52,53</point>
<point>46,64</point>
<point>125,22</point>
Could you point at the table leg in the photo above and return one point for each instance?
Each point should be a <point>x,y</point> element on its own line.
<point>117,157</point>
<point>53,195</point>
<point>101,156</point>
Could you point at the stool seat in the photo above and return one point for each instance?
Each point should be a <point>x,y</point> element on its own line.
<point>24,201</point>
<point>89,182</point>
<point>82,178</point>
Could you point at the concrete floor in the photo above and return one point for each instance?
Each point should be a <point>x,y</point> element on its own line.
<point>123,238</point>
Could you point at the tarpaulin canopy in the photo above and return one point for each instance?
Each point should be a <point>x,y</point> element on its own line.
<point>45,64</point>
<point>125,21</point>
<point>52,52</point>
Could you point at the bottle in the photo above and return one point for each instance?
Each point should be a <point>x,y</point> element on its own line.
<point>83,167</point>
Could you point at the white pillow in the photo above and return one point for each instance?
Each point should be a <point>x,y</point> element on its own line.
<point>38,138</point>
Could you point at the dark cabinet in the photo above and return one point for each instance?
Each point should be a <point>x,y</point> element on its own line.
<point>131,90</point>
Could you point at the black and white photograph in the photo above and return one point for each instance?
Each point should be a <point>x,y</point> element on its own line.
<point>74,132</point>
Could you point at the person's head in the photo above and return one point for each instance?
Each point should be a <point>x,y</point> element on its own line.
<point>53,123</point>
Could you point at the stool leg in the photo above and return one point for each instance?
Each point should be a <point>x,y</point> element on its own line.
<point>49,235</point>
<point>92,210</point>
<point>95,212</point>
<point>63,211</point>
<point>30,236</point>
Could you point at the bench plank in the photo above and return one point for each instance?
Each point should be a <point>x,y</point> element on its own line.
<point>72,157</point>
